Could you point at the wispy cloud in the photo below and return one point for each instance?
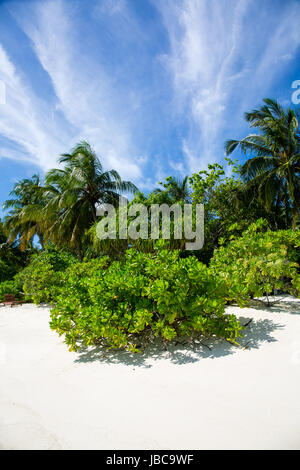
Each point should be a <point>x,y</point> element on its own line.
<point>84,92</point>
<point>224,56</point>
<point>155,86</point>
<point>24,121</point>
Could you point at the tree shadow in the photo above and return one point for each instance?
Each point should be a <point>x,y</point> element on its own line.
<point>277,305</point>
<point>255,334</point>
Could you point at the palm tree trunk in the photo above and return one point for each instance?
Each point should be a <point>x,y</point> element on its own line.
<point>290,184</point>
<point>286,204</point>
<point>295,214</point>
<point>94,212</point>
<point>79,252</point>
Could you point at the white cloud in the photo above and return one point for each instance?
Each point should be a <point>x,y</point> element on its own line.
<point>222,59</point>
<point>85,94</point>
<point>177,166</point>
<point>23,121</point>
<point>110,7</point>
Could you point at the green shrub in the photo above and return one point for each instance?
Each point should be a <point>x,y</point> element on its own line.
<point>258,262</point>
<point>12,260</point>
<point>43,277</point>
<point>11,287</point>
<point>123,303</point>
<point>6,271</point>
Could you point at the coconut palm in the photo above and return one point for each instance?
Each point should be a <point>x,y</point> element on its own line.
<point>274,168</point>
<point>176,189</point>
<point>12,258</point>
<point>75,192</point>
<point>65,208</point>
<point>179,189</point>
<point>26,195</point>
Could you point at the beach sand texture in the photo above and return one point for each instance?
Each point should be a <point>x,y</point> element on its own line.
<point>216,397</point>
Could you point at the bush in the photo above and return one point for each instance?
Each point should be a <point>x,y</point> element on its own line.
<point>259,262</point>
<point>12,260</point>
<point>43,277</point>
<point>124,303</point>
<point>6,271</point>
<point>11,287</point>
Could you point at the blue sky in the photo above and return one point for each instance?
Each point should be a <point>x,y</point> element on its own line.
<point>156,86</point>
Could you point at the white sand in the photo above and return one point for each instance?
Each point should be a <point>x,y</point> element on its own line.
<point>226,398</point>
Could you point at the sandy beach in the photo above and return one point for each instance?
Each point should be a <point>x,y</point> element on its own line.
<point>214,397</point>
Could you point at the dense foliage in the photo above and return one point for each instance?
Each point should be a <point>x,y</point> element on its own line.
<point>272,173</point>
<point>13,287</point>
<point>12,258</point>
<point>259,262</point>
<point>125,303</point>
<point>63,208</point>
<point>123,293</point>
<point>42,279</point>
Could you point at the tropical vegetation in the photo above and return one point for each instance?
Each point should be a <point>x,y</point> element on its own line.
<point>124,293</point>
<point>273,171</point>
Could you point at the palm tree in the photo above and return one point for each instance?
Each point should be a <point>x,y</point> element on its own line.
<point>65,208</point>
<point>26,196</point>
<point>275,167</point>
<point>74,192</point>
<point>176,189</point>
<point>12,258</point>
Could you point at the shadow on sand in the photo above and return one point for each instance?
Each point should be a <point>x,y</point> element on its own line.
<point>255,333</point>
<point>279,305</point>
